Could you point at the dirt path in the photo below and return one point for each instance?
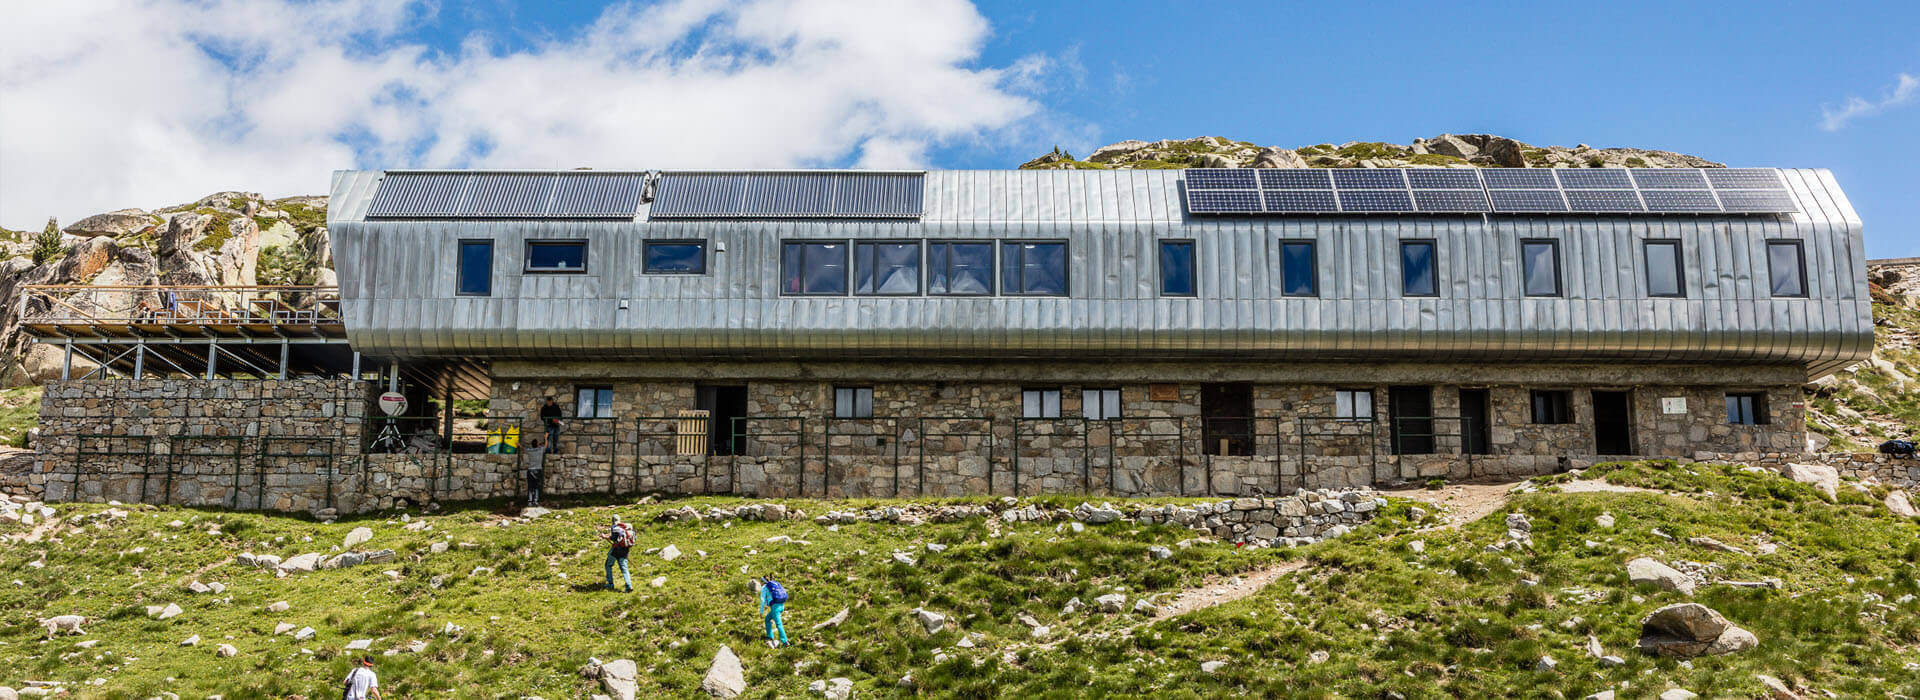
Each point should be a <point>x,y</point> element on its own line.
<point>1461,503</point>
<point>1223,590</point>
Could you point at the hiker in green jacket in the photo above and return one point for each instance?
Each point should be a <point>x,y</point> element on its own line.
<point>773,603</point>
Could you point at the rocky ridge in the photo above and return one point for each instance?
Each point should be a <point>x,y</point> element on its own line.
<point>1443,151</point>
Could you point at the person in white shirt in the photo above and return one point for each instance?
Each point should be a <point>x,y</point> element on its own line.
<point>361,683</point>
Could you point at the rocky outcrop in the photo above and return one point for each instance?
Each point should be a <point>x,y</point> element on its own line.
<point>1445,150</point>
<point>1687,630</point>
<point>113,224</point>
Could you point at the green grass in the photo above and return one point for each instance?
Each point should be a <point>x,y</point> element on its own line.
<point>19,411</point>
<point>1456,621</point>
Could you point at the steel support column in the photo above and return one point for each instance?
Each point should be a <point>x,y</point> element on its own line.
<point>283,358</point>
<point>139,361</point>
<point>66,361</point>
<point>213,359</point>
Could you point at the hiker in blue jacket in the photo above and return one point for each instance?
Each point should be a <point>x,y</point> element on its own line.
<point>773,602</point>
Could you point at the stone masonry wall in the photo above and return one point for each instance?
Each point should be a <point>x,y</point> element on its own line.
<point>252,444</point>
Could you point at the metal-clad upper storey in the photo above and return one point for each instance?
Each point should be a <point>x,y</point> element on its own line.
<point>754,293</point>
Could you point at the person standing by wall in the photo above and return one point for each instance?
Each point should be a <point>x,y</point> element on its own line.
<point>536,456</point>
<point>620,540</point>
<point>550,419</point>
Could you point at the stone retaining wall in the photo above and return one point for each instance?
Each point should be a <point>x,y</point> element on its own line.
<point>1902,472</point>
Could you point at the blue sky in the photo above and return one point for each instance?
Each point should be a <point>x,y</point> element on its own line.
<point>378,83</point>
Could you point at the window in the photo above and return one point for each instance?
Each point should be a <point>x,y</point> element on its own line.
<point>1353,404</point>
<point>886,268</point>
<point>1551,407</point>
<point>1040,403</point>
<point>556,256</point>
<point>1176,269</point>
<point>1787,268</point>
<point>674,257</point>
<point>476,268</point>
<point>1034,269</point>
<point>959,269</point>
<point>853,402</point>
<point>814,268</point>
<point>1299,271</point>
<point>593,402</point>
<point>1747,409</point>
<point>1540,268</point>
<point>1666,277</point>
<point>1416,269</point>
<point>1100,404</point>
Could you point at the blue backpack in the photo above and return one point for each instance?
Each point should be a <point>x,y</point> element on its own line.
<point>776,593</point>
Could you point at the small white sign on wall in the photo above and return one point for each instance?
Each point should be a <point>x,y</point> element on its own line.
<point>1673,404</point>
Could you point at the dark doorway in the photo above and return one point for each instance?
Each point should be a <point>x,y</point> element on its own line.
<point>723,405</point>
<point>1612,423</point>
<point>1474,427</point>
<point>1226,419</point>
<point>1410,408</point>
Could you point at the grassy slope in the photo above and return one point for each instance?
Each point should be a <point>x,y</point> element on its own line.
<point>19,411</point>
<point>1881,406</point>
<point>1455,621</point>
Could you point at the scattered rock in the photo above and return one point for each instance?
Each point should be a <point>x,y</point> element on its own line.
<point>534,512</point>
<point>170,611</point>
<point>1417,546</point>
<point>1776,690</point>
<point>304,634</point>
<point>725,678</point>
<point>190,641</point>
<point>283,628</point>
<point>671,553</point>
<point>658,581</point>
<point>1546,663</point>
<point>1820,476</point>
<point>1898,504</point>
<point>225,651</point>
<point>1646,571</point>
<point>936,547</point>
<point>1715,545</point>
<point>1158,552</point>
<point>1678,694</point>
<point>359,645</point>
<point>357,536</point>
<point>932,621</point>
<point>1612,661</point>
<point>621,678</point>
<point>1687,630</point>
<point>305,563</point>
<point>1111,603</point>
<point>903,558</point>
<point>279,607</point>
<point>1143,607</point>
<point>1602,695</point>
<point>833,689</point>
<point>1212,666</point>
<point>834,621</point>
<point>1072,606</point>
<point>1604,520</point>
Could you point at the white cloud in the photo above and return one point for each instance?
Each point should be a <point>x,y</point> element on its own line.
<point>115,103</point>
<point>1904,90</point>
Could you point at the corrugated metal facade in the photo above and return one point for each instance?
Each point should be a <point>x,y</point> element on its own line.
<point>397,281</point>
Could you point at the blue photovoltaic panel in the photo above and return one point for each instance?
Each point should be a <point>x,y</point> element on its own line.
<point>596,195</point>
<point>1680,200</point>
<point>1375,200</point>
<point>1594,179</point>
<point>1451,200</point>
<point>1369,179</point>
<point>1223,201</point>
<point>419,195</point>
<point>1758,201</point>
<point>1443,179</point>
<point>1519,179</point>
<point>1292,179</point>
<point>1286,201</point>
<point>1526,201</point>
<point>1221,179</point>
<point>1744,179</point>
<point>1603,201</point>
<point>1668,179</point>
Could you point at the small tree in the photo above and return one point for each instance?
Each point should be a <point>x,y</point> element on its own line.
<point>46,246</point>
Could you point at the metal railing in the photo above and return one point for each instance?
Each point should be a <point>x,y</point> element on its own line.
<point>285,305</point>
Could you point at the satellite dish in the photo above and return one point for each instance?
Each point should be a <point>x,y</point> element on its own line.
<point>393,403</point>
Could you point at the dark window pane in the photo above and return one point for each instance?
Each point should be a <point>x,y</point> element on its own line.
<point>677,257</point>
<point>814,268</point>
<point>960,268</point>
<point>593,402</point>
<point>476,268</point>
<point>557,256</point>
<point>886,268</point>
<point>1552,407</point>
<point>1747,409</point>
<point>1176,268</point>
<point>1416,269</point>
<point>853,402</point>
<point>1034,268</point>
<point>1663,269</point>
<point>1787,269</point>
<point>1299,275</point>
<point>1540,268</point>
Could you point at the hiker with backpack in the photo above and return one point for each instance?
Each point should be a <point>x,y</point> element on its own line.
<point>361,683</point>
<point>621,540</point>
<point>773,603</point>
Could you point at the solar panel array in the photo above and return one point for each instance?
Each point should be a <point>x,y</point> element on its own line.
<point>1488,191</point>
<point>792,195</point>
<point>507,195</point>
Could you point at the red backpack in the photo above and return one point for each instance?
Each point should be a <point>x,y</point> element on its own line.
<point>625,537</point>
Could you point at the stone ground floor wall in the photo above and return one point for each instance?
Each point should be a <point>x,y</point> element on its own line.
<point>937,430</point>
